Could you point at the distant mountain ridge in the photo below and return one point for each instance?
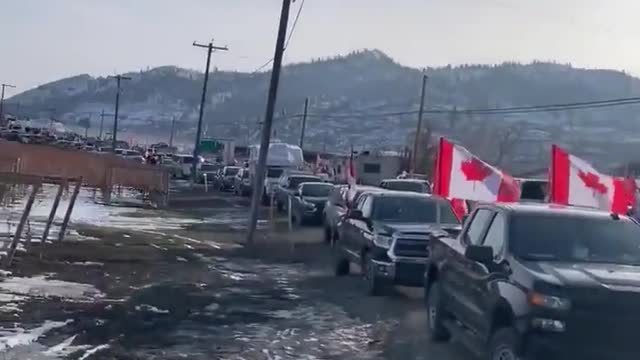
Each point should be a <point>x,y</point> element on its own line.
<point>360,83</point>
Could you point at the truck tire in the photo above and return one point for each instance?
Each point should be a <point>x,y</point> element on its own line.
<point>435,315</point>
<point>505,344</point>
<point>341,265</point>
<point>375,285</point>
<point>328,234</point>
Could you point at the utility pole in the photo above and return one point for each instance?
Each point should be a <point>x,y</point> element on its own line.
<point>101,124</point>
<point>173,129</point>
<point>52,114</point>
<point>2,101</point>
<point>304,122</point>
<point>266,126</point>
<point>118,78</point>
<point>196,149</point>
<point>416,142</point>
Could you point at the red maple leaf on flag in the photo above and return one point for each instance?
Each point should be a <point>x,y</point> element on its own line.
<point>475,170</point>
<point>592,181</point>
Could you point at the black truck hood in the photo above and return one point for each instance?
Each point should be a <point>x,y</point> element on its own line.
<point>586,275</point>
<point>413,228</point>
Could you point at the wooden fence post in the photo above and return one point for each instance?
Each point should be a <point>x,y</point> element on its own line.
<point>25,214</point>
<point>67,216</point>
<point>52,215</point>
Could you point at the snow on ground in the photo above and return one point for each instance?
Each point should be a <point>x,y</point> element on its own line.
<point>151,309</point>
<point>41,286</point>
<point>10,338</point>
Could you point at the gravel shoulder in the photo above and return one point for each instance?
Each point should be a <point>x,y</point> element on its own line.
<point>186,288</point>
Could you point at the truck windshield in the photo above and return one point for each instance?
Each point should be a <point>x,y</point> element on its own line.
<point>412,186</point>
<point>231,171</point>
<point>294,182</point>
<point>575,239</point>
<point>274,172</point>
<point>209,167</point>
<point>411,210</point>
<point>316,190</point>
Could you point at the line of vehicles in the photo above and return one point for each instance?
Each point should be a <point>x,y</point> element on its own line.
<point>529,280</point>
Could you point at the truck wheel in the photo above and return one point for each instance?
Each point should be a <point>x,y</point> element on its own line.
<point>328,234</point>
<point>505,345</point>
<point>341,265</point>
<point>435,315</point>
<point>375,285</point>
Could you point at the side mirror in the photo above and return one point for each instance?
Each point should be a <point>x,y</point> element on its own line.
<point>355,214</point>
<point>479,253</point>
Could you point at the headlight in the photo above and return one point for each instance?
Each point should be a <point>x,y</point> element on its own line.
<point>310,206</point>
<point>382,240</point>
<point>549,302</point>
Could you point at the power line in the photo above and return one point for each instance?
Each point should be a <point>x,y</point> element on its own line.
<point>286,45</point>
<point>293,27</point>
<point>491,111</point>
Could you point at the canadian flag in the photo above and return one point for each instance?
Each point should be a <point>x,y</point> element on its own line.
<point>461,175</point>
<point>573,181</point>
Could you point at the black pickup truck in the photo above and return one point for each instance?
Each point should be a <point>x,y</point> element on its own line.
<point>387,234</point>
<point>537,281</point>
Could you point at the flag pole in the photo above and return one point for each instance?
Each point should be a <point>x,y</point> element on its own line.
<point>551,175</point>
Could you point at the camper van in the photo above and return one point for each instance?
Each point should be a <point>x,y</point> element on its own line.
<point>280,157</point>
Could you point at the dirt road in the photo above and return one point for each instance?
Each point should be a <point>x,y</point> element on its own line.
<point>177,285</point>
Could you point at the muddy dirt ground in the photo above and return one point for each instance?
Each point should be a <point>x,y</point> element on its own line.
<point>178,284</point>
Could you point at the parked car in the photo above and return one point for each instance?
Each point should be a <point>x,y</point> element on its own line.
<point>288,185</point>
<point>413,185</point>
<point>242,182</point>
<point>307,203</point>
<point>537,281</point>
<point>387,235</point>
<point>226,177</point>
<point>208,170</point>
<point>130,155</point>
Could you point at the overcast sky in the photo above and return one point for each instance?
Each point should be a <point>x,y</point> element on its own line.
<point>45,40</point>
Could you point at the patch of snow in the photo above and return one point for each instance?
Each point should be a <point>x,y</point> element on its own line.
<point>157,247</point>
<point>19,336</point>
<point>88,263</point>
<point>149,308</point>
<point>188,239</point>
<point>126,236</point>
<point>212,307</point>
<point>188,246</point>
<point>10,308</point>
<point>65,348</point>
<point>10,297</point>
<point>5,273</point>
<point>93,351</point>
<point>181,259</point>
<point>40,286</point>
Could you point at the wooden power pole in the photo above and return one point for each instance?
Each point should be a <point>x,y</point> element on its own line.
<point>119,79</point>
<point>196,149</point>
<point>268,121</point>
<point>416,141</point>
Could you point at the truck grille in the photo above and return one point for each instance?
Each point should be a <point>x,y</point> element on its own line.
<point>608,318</point>
<point>411,245</point>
